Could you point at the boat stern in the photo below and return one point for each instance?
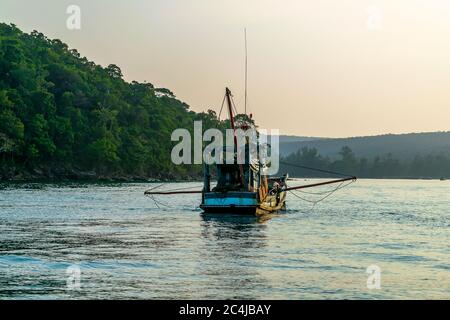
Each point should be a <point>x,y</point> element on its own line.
<point>226,202</point>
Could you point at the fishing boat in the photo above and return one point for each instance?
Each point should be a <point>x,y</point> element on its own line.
<point>246,187</point>
<point>242,188</point>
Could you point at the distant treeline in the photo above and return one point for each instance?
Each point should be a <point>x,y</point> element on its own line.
<point>429,166</point>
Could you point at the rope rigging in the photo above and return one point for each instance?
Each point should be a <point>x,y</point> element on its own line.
<point>316,169</point>
<point>221,108</point>
<point>346,178</point>
<point>328,193</point>
<point>151,194</point>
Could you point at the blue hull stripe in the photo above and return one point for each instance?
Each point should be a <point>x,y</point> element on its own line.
<point>230,199</point>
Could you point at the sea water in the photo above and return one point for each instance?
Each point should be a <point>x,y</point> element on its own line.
<point>374,239</point>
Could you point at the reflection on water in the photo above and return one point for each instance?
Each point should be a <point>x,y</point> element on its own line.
<point>232,243</point>
<point>125,247</point>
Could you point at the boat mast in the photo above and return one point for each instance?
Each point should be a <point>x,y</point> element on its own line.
<point>230,107</point>
<point>230,111</point>
<point>246,70</point>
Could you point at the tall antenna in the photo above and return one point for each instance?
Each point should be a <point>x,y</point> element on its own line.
<point>245,38</point>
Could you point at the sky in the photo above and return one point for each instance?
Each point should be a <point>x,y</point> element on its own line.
<point>315,68</point>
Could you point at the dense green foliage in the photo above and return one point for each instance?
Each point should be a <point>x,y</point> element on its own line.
<point>63,115</point>
<point>430,166</point>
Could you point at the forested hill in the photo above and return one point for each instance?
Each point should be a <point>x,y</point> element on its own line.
<point>62,115</point>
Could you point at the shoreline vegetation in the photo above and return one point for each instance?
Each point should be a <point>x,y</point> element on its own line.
<point>64,118</point>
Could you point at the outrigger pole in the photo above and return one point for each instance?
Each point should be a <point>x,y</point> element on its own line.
<point>320,184</point>
<point>149,192</point>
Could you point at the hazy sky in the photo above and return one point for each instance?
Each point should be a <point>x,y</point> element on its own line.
<point>317,67</point>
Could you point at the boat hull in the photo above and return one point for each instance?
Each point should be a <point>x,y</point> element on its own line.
<point>247,210</point>
<point>245,203</point>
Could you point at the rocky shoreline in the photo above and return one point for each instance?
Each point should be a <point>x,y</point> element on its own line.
<point>76,175</point>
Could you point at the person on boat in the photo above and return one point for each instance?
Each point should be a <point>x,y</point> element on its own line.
<point>276,190</point>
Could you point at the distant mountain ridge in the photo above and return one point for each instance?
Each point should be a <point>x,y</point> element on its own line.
<point>401,146</point>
